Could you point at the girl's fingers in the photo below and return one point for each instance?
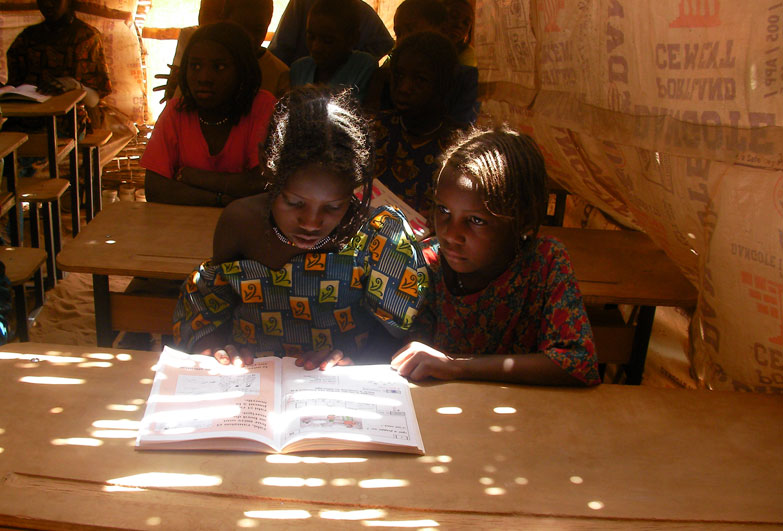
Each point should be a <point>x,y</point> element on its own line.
<point>335,357</point>
<point>222,356</point>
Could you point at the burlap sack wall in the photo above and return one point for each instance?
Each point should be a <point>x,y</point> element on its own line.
<point>667,116</point>
<point>114,19</point>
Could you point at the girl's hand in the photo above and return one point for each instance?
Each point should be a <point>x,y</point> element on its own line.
<point>230,355</point>
<point>417,361</point>
<point>322,359</point>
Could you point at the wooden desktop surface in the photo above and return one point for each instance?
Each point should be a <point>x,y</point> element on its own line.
<point>610,457</point>
<point>142,239</point>
<point>169,241</point>
<point>54,106</point>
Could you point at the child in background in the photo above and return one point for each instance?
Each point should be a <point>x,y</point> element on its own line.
<point>289,42</point>
<point>411,139</point>
<point>304,270</point>
<point>204,148</point>
<point>459,28</point>
<point>332,33</point>
<point>414,16</point>
<point>208,13</point>
<point>254,16</point>
<point>504,303</point>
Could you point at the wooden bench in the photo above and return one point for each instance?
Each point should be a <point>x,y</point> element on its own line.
<point>22,264</point>
<point>44,194</point>
<point>92,167</point>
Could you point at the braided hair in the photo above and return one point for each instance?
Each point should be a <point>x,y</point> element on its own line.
<point>509,170</point>
<point>322,125</point>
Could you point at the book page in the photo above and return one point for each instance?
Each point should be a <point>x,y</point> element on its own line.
<point>194,397</point>
<point>362,403</point>
<point>23,92</point>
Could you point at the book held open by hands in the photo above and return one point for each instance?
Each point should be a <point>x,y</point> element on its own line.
<point>22,93</point>
<point>274,406</point>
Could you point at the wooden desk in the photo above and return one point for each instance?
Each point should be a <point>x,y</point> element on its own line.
<point>148,240</point>
<point>611,457</point>
<point>624,267</point>
<point>55,147</point>
<point>10,142</point>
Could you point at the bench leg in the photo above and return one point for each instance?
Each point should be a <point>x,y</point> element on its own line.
<point>20,304</point>
<point>89,190</point>
<point>97,184</point>
<point>103,330</point>
<point>641,342</point>
<point>76,197</point>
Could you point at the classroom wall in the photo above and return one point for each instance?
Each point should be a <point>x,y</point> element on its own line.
<point>114,19</point>
<point>666,115</point>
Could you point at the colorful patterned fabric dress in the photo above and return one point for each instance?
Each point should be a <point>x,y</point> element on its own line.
<point>534,306</point>
<point>317,300</point>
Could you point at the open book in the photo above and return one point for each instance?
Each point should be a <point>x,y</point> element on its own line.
<point>22,93</point>
<point>274,406</point>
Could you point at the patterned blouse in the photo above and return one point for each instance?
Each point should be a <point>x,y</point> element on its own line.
<point>317,300</point>
<point>407,163</point>
<point>534,306</point>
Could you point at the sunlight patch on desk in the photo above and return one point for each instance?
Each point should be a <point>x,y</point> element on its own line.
<point>105,356</point>
<point>166,479</point>
<point>51,380</point>
<point>2,431</point>
<point>486,481</point>
<point>110,242</point>
<point>124,357</point>
<point>122,407</point>
<point>2,449</point>
<point>449,410</point>
<point>98,364</point>
<point>115,434</point>
<point>521,481</point>
<point>401,523</point>
<point>77,441</point>
<point>362,514</point>
<point>381,483</point>
<point>118,488</point>
<point>494,491</point>
<point>119,424</point>
<point>59,360</point>
<point>292,482</point>
<point>439,469</point>
<point>490,469</point>
<point>246,523</point>
<point>146,381</point>
<point>294,459</point>
<point>283,514</point>
<point>596,505</point>
<point>435,459</point>
<point>496,429</point>
<point>153,520</point>
<point>137,401</point>
<point>342,482</point>
<point>576,480</point>
<point>504,410</point>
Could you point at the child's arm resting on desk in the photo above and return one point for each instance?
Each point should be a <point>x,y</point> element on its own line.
<point>417,361</point>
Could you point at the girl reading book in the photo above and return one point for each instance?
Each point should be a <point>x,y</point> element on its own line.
<point>504,303</point>
<point>304,269</point>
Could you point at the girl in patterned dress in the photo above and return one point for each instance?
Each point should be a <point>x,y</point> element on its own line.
<point>304,269</point>
<point>504,303</point>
